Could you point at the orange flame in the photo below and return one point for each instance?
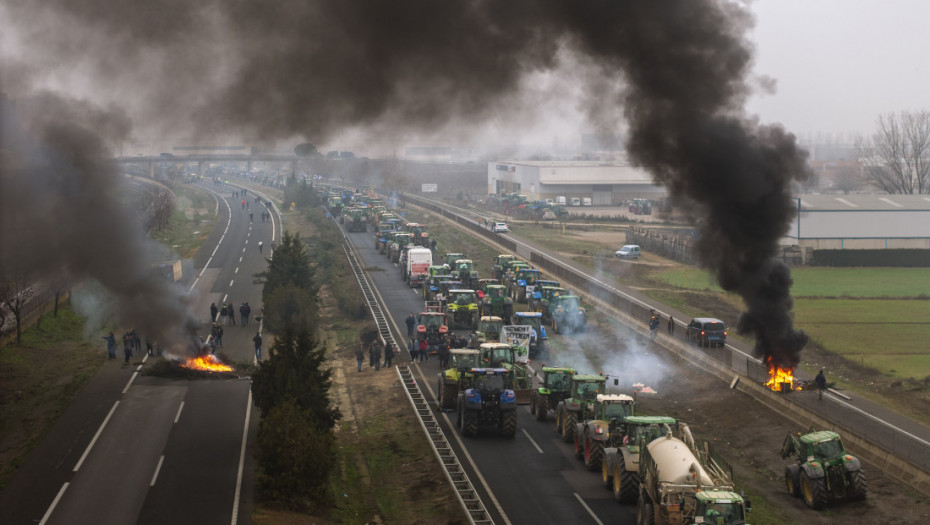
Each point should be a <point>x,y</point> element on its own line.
<point>208,363</point>
<point>779,376</point>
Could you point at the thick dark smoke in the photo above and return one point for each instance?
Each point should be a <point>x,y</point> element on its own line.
<point>679,69</point>
<point>61,212</point>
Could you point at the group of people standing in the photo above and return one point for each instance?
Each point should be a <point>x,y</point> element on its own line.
<point>227,313</point>
<point>132,343</point>
<point>376,350</point>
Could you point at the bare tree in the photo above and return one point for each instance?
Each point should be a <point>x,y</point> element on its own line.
<point>16,289</point>
<point>899,153</point>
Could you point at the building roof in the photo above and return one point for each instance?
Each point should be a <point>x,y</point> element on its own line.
<point>862,202</point>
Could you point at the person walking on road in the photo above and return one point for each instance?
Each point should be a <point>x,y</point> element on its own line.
<point>360,356</point>
<point>213,312</point>
<point>259,246</point>
<point>111,345</point>
<point>411,323</point>
<point>231,311</point>
<point>224,314</point>
<point>248,312</point>
<point>423,351</point>
<point>821,381</point>
<point>243,315</point>
<point>127,346</point>
<point>671,325</point>
<point>258,345</point>
<point>371,353</point>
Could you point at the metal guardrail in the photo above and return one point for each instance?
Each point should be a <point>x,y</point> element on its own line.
<point>455,473</point>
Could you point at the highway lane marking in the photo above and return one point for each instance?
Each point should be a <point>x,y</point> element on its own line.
<point>527,434</point>
<point>157,470</point>
<point>134,374</point>
<point>231,283</point>
<point>587,508</point>
<point>96,436</point>
<point>879,420</point>
<point>245,435</point>
<point>178,416</point>
<point>48,513</point>
<point>240,258</point>
<point>237,270</point>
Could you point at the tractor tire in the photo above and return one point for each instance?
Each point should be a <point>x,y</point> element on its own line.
<point>469,423</point>
<point>568,426</point>
<point>542,408</point>
<point>555,325</point>
<point>579,446</point>
<point>858,486</point>
<point>447,395</point>
<point>793,480</point>
<point>626,483</point>
<point>813,491</point>
<point>593,453</point>
<point>509,423</point>
<point>460,412</point>
<point>645,512</point>
<point>558,419</point>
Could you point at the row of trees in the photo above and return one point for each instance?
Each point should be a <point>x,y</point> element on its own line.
<point>291,387</point>
<point>896,159</point>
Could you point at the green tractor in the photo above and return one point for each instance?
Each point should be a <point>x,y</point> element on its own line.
<point>431,285</point>
<point>568,316</point>
<point>465,270</point>
<point>496,302</point>
<point>825,471</point>
<point>539,342</point>
<point>593,434</point>
<point>546,296</point>
<point>398,241</point>
<point>532,299</point>
<point>503,355</point>
<point>450,258</point>
<point>456,378</point>
<point>620,467</point>
<point>462,308</point>
<point>556,383</point>
<point>489,329</point>
<point>489,402</point>
<point>579,405</point>
<point>501,265</point>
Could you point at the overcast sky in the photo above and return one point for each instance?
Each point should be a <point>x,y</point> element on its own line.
<point>841,63</point>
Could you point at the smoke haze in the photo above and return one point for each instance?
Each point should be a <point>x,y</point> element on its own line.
<point>264,71</point>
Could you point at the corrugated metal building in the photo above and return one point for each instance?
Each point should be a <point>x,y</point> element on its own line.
<point>605,183</point>
<point>856,222</point>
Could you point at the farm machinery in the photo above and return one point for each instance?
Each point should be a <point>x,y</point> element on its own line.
<point>824,470</point>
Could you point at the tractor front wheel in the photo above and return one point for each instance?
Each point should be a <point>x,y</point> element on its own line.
<point>593,453</point>
<point>626,483</point>
<point>568,426</point>
<point>792,480</point>
<point>858,486</point>
<point>542,408</point>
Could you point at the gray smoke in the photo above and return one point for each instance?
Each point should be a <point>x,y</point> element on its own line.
<point>678,69</point>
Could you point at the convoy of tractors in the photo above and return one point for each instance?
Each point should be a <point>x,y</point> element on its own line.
<point>651,460</point>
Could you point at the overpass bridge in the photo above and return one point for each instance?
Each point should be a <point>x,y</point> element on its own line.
<point>202,159</point>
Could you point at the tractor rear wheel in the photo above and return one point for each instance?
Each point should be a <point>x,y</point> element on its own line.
<point>814,491</point>
<point>579,446</point>
<point>792,480</point>
<point>607,477</point>
<point>568,426</point>
<point>509,423</point>
<point>593,453</point>
<point>626,482</point>
<point>858,486</point>
<point>469,423</point>
<point>447,395</point>
<point>555,325</point>
<point>542,408</point>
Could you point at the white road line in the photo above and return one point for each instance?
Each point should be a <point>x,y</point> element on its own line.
<point>245,432</point>
<point>879,420</point>
<point>178,415</point>
<point>157,470</point>
<point>240,258</point>
<point>48,513</point>
<point>531,440</point>
<point>587,508</point>
<point>237,270</point>
<point>231,283</point>
<point>96,436</point>
<point>224,297</point>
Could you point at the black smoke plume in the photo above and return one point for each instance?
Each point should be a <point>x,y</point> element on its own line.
<point>311,69</point>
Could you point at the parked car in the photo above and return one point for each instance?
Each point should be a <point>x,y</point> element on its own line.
<point>500,227</point>
<point>630,251</point>
<point>707,331</point>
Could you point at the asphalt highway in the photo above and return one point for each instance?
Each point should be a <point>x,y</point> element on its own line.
<point>532,478</point>
<point>140,449</point>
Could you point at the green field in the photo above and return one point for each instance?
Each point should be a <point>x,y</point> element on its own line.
<point>826,282</point>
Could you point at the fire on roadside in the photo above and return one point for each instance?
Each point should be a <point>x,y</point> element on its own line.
<point>781,379</point>
<point>207,362</point>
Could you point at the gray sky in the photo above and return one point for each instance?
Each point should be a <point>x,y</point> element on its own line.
<point>841,63</point>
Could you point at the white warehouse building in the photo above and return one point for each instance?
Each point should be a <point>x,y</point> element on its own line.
<point>605,183</point>
<point>858,222</point>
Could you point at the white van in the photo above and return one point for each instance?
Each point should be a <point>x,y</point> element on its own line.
<point>630,251</point>
<point>576,201</point>
<point>419,260</point>
<point>586,201</point>
<point>560,200</point>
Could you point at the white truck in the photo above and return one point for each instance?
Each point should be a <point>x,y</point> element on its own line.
<point>417,265</point>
